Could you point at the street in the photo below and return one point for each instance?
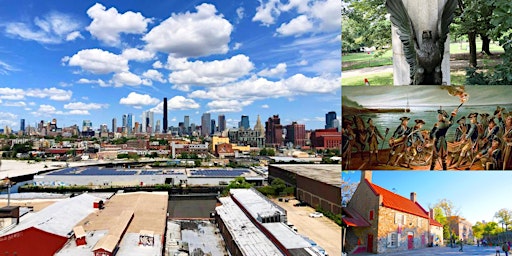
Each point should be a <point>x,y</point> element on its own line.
<point>467,250</point>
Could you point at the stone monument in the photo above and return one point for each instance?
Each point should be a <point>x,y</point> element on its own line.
<point>421,46</point>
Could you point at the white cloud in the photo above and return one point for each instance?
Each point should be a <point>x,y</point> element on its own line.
<point>237,46</point>
<point>176,103</point>
<point>52,93</point>
<point>319,16</point>
<point>328,13</point>
<point>265,106</point>
<point>84,106</point>
<point>137,100</point>
<point>74,35</point>
<point>227,105</point>
<point>7,93</point>
<point>267,12</point>
<point>208,73</point>
<point>137,55</point>
<point>191,34</point>
<point>53,28</point>
<point>9,123</point>
<point>6,68</point>
<point>240,13</point>
<point>8,115</point>
<point>154,75</point>
<point>259,88</point>
<point>126,78</point>
<point>14,104</point>
<point>158,64</point>
<point>98,82</point>
<point>297,26</point>
<point>107,25</point>
<point>79,112</point>
<point>98,61</point>
<point>279,70</point>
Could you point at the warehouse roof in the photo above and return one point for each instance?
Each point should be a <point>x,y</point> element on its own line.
<point>245,234</point>
<point>327,173</point>
<point>60,217</point>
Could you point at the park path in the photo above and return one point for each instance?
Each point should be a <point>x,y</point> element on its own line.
<point>367,71</point>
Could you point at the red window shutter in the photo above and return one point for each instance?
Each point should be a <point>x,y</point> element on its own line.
<point>371,214</point>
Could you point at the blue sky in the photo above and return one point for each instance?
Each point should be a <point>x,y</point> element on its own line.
<point>89,60</point>
<point>477,195</point>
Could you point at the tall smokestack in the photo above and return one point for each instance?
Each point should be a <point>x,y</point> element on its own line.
<point>366,175</point>
<point>165,116</point>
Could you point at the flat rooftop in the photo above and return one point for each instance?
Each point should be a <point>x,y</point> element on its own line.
<point>256,204</point>
<point>326,173</point>
<point>150,212</point>
<point>250,240</point>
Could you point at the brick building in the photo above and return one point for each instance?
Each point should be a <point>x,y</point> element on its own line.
<point>377,220</point>
<point>296,134</point>
<point>325,138</point>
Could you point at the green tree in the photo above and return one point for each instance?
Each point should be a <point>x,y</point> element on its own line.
<point>278,185</point>
<point>505,217</point>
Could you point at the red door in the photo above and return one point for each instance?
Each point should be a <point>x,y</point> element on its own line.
<point>410,242</point>
<point>369,247</point>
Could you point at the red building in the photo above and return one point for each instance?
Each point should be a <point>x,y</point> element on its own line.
<point>326,138</point>
<point>296,134</point>
<point>47,231</point>
<point>273,132</point>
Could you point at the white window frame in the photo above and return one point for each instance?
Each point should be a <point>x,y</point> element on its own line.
<point>399,217</point>
<point>393,240</point>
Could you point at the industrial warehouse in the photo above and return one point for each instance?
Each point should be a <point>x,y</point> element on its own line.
<point>319,185</point>
<point>141,223</point>
<point>103,176</point>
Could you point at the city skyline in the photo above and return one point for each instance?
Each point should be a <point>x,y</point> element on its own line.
<point>102,60</point>
<point>477,195</point>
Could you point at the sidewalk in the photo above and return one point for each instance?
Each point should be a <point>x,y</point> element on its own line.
<point>467,250</point>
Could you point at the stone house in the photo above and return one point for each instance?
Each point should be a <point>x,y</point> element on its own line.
<point>462,228</point>
<point>377,220</point>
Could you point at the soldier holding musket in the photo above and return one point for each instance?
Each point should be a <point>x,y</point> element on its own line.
<point>470,140</point>
<point>397,141</point>
<point>373,142</point>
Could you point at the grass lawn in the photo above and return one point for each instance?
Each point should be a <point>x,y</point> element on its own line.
<point>386,78</point>
<point>363,60</point>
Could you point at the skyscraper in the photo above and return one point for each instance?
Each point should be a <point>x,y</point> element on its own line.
<point>129,120</point>
<point>157,126</point>
<point>86,125</point>
<point>125,122</point>
<point>147,121</point>
<point>329,117</point>
<point>22,125</point>
<point>212,126</point>
<point>186,123</point>
<point>259,127</point>
<point>222,123</point>
<point>165,116</point>
<point>274,132</point>
<point>114,124</point>
<point>205,124</point>
<point>244,123</point>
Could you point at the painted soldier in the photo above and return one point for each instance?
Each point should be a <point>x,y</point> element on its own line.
<point>469,140</point>
<point>462,129</point>
<point>491,131</point>
<point>373,141</point>
<point>507,140</point>
<point>491,155</point>
<point>415,142</point>
<point>438,134</point>
<point>397,141</point>
<point>483,124</point>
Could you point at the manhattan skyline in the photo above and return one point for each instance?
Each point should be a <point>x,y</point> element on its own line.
<point>100,60</point>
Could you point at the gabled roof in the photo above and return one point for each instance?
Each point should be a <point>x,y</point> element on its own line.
<point>397,202</point>
<point>435,223</point>
<point>353,218</point>
<point>60,217</point>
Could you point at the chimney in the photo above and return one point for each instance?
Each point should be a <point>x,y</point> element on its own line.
<point>366,175</point>
<point>431,213</point>
<point>413,196</point>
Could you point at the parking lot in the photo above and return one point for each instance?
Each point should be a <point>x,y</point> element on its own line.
<point>323,231</point>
